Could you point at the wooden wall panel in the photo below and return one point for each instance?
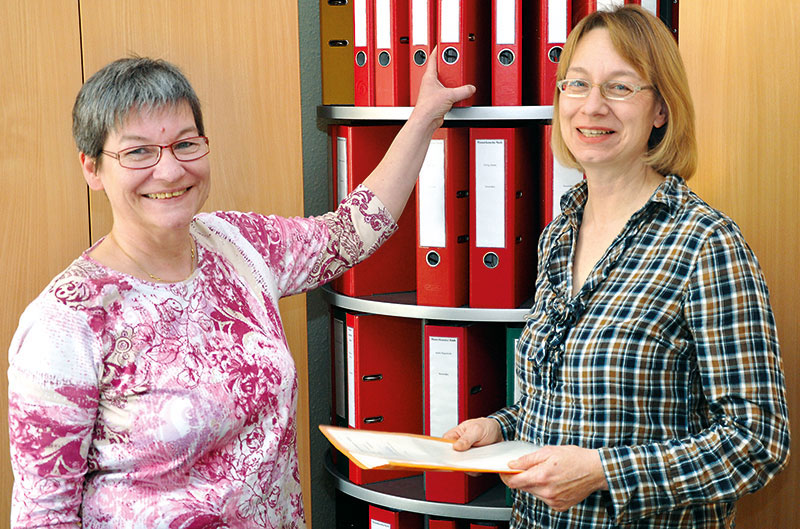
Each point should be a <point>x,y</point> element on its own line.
<point>242,59</point>
<point>43,204</point>
<point>742,59</point>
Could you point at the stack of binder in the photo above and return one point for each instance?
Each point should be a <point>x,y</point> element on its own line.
<point>377,372</point>
<point>508,49</point>
<point>479,211</point>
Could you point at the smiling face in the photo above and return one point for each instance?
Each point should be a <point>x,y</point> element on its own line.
<point>155,201</point>
<point>605,134</point>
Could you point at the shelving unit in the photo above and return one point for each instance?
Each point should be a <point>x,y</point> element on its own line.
<point>407,494</point>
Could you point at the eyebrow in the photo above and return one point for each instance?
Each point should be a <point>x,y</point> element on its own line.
<point>614,74</point>
<point>133,137</point>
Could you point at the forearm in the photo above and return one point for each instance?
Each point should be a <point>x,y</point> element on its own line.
<point>719,465</point>
<point>395,176</point>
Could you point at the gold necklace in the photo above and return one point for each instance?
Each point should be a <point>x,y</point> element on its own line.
<point>153,277</point>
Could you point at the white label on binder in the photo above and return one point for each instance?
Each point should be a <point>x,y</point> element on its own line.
<point>377,524</point>
<point>563,179</point>
<point>360,23</point>
<point>451,22</point>
<point>506,22</point>
<point>609,5</point>
<point>340,367</point>
<point>517,379</point>
<point>341,169</point>
<point>651,5</point>
<point>557,21</point>
<point>419,22</point>
<point>490,193</point>
<point>432,229</point>
<point>383,24</point>
<point>351,377</point>
<point>443,380</point>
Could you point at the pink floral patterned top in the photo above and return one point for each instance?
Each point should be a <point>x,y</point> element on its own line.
<point>135,404</point>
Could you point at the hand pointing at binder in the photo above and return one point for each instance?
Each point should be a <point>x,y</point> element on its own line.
<point>394,177</point>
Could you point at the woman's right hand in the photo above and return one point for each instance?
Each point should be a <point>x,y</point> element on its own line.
<point>434,99</point>
<point>475,432</point>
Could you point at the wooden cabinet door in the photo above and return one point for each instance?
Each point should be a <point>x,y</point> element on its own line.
<point>742,60</point>
<point>242,58</point>
<point>43,203</point>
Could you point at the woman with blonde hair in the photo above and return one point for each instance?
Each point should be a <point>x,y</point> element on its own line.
<point>649,362</point>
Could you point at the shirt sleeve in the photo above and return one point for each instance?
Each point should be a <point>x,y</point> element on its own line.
<point>53,393</point>
<point>741,386</point>
<point>304,253</point>
<point>507,417</point>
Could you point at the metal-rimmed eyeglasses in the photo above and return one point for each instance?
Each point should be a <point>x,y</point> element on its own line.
<point>145,156</point>
<point>615,90</point>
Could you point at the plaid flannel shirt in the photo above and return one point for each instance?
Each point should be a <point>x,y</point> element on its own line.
<point>666,361</point>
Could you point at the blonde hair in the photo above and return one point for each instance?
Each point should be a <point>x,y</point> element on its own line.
<point>645,43</point>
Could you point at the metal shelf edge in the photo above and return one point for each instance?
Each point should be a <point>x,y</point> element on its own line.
<point>523,113</point>
<point>389,308</point>
<point>448,510</point>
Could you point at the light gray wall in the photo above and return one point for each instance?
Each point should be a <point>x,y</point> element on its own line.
<point>316,193</point>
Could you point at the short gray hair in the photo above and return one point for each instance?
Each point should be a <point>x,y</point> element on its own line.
<point>124,86</point>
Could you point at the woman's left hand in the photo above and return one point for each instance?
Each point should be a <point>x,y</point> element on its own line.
<point>560,476</point>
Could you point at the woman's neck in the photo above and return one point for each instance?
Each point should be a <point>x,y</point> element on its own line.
<point>169,257</point>
<point>614,196</point>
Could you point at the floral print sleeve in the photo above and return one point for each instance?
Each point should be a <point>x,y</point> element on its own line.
<point>307,252</point>
<point>51,418</point>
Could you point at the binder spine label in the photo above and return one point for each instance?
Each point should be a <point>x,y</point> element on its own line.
<point>651,5</point>
<point>557,21</point>
<point>506,22</point>
<point>450,21</point>
<point>351,378</point>
<point>340,367</point>
<point>517,379</point>
<point>432,229</point>
<point>609,5</point>
<point>341,169</point>
<point>490,192</point>
<point>383,24</point>
<point>563,179</point>
<point>419,22</point>
<point>360,23</point>
<point>377,524</point>
<point>443,384</point>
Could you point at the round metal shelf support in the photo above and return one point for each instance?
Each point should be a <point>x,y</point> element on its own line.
<point>406,494</point>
